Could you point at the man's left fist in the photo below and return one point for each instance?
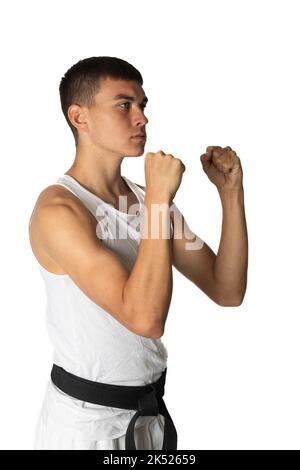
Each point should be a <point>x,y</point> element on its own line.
<point>223,168</point>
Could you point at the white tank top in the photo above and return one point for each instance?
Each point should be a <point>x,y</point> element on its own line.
<point>90,342</point>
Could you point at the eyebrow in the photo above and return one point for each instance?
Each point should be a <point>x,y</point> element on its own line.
<point>126,97</point>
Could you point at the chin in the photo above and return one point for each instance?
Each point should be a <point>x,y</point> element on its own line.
<point>136,153</point>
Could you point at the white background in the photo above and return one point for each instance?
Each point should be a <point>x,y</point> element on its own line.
<point>216,73</point>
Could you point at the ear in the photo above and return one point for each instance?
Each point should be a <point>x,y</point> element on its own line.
<point>77,117</point>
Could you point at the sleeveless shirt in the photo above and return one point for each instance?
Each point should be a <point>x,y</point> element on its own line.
<point>87,340</point>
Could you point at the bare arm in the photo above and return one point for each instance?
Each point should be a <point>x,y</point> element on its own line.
<point>140,299</point>
<point>231,264</point>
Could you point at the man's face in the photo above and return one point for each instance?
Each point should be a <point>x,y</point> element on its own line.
<point>114,120</point>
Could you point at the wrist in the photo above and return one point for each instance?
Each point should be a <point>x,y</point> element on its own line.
<point>231,191</point>
<point>157,197</point>
<point>232,196</point>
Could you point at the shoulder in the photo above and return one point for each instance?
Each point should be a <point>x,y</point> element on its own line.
<point>57,195</point>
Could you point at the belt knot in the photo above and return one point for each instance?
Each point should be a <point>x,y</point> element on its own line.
<point>148,404</point>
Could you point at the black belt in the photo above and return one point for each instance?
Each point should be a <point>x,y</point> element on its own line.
<point>146,399</point>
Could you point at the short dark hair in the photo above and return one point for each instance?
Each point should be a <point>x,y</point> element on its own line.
<point>81,82</point>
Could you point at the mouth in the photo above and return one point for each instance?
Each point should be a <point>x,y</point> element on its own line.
<point>139,137</point>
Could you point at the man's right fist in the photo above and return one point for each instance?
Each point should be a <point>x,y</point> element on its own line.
<point>163,174</point>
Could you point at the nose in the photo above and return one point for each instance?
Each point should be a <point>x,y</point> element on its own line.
<point>140,119</point>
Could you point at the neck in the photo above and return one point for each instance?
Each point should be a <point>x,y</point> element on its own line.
<point>99,174</point>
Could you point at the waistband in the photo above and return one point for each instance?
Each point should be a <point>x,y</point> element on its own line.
<point>146,399</point>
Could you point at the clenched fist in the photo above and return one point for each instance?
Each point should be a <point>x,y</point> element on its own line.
<point>163,174</point>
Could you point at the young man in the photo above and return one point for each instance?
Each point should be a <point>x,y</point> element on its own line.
<point>108,279</point>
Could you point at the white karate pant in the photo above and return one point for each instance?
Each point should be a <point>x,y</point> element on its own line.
<point>50,434</point>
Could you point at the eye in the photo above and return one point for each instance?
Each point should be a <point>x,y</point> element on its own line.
<point>143,106</point>
<point>127,102</point>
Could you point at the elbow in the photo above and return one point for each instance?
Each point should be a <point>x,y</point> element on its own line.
<point>229,299</point>
<point>156,325</point>
<point>154,332</point>
<point>150,333</point>
<point>157,334</point>
<point>140,327</point>
<point>232,302</point>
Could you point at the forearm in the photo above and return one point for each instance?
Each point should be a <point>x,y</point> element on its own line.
<point>149,286</point>
<point>231,263</point>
